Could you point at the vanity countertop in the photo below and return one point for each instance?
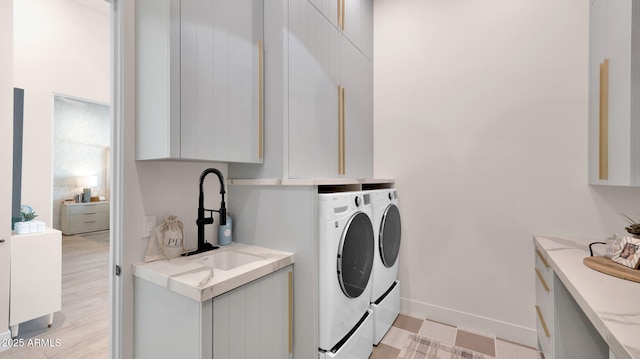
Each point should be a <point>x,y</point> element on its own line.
<point>188,277</point>
<point>610,303</point>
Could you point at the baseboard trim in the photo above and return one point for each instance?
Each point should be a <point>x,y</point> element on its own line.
<point>5,340</point>
<point>502,330</point>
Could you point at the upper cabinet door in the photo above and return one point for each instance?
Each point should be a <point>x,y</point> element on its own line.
<point>221,80</point>
<point>157,79</point>
<point>330,99</point>
<point>614,134</point>
<point>328,8</point>
<point>314,76</point>
<point>357,24</point>
<point>354,18</point>
<point>357,106</point>
<point>212,62</point>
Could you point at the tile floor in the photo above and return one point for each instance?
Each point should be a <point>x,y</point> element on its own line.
<point>412,338</point>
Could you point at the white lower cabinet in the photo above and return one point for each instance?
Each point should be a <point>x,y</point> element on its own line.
<point>36,277</point>
<point>563,329</point>
<point>251,321</point>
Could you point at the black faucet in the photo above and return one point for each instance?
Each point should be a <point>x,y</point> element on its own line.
<point>202,220</point>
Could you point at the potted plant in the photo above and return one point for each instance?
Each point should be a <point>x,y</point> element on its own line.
<point>633,227</point>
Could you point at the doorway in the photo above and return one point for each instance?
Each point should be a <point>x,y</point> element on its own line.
<point>64,47</point>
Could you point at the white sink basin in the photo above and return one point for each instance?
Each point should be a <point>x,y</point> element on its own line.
<point>227,260</point>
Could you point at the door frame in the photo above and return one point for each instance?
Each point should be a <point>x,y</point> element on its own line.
<point>116,178</point>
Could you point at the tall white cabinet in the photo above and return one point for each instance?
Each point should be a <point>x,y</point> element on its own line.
<point>320,84</point>
<point>199,68</point>
<point>614,97</point>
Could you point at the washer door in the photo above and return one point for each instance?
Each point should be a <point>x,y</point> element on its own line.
<point>390,232</point>
<point>355,255</point>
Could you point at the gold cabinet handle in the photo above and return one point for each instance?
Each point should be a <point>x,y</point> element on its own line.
<point>341,14</point>
<point>544,261</point>
<point>344,136</point>
<point>341,130</point>
<point>260,98</point>
<point>544,324</point>
<point>544,283</point>
<point>343,1</point>
<point>603,152</point>
<point>290,312</point>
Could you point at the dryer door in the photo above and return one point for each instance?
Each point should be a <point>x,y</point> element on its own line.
<point>355,255</point>
<point>390,232</point>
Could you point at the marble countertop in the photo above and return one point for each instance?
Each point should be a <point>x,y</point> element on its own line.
<point>188,277</point>
<point>611,304</point>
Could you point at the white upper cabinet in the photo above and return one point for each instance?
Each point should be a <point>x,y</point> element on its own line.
<point>330,99</point>
<point>199,80</point>
<point>314,76</point>
<point>614,82</point>
<point>357,103</point>
<point>320,83</point>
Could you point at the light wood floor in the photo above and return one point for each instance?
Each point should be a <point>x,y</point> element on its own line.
<point>81,329</point>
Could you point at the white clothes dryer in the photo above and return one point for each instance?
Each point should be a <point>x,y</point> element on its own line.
<point>385,293</point>
<point>346,256</point>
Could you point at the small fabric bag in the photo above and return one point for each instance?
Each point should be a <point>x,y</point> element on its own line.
<point>167,241</point>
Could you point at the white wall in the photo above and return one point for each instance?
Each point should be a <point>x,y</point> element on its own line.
<point>481,116</point>
<point>6,159</point>
<point>60,47</point>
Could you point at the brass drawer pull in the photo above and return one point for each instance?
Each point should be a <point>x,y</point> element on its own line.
<point>544,261</point>
<point>544,283</point>
<point>544,325</point>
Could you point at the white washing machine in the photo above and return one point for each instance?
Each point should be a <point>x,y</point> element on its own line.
<point>385,293</point>
<point>346,256</point>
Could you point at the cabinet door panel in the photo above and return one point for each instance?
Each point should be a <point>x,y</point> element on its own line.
<point>328,8</point>
<point>157,79</point>
<point>245,24</point>
<point>193,75</point>
<point>357,79</point>
<point>220,79</point>
<point>613,35</point>
<point>618,51</point>
<point>252,321</point>
<point>314,70</point>
<point>358,25</point>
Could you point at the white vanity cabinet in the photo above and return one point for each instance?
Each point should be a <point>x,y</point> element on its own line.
<point>199,68</point>
<point>320,109</point>
<point>36,277</point>
<point>614,93</point>
<point>251,321</point>
<point>563,329</point>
